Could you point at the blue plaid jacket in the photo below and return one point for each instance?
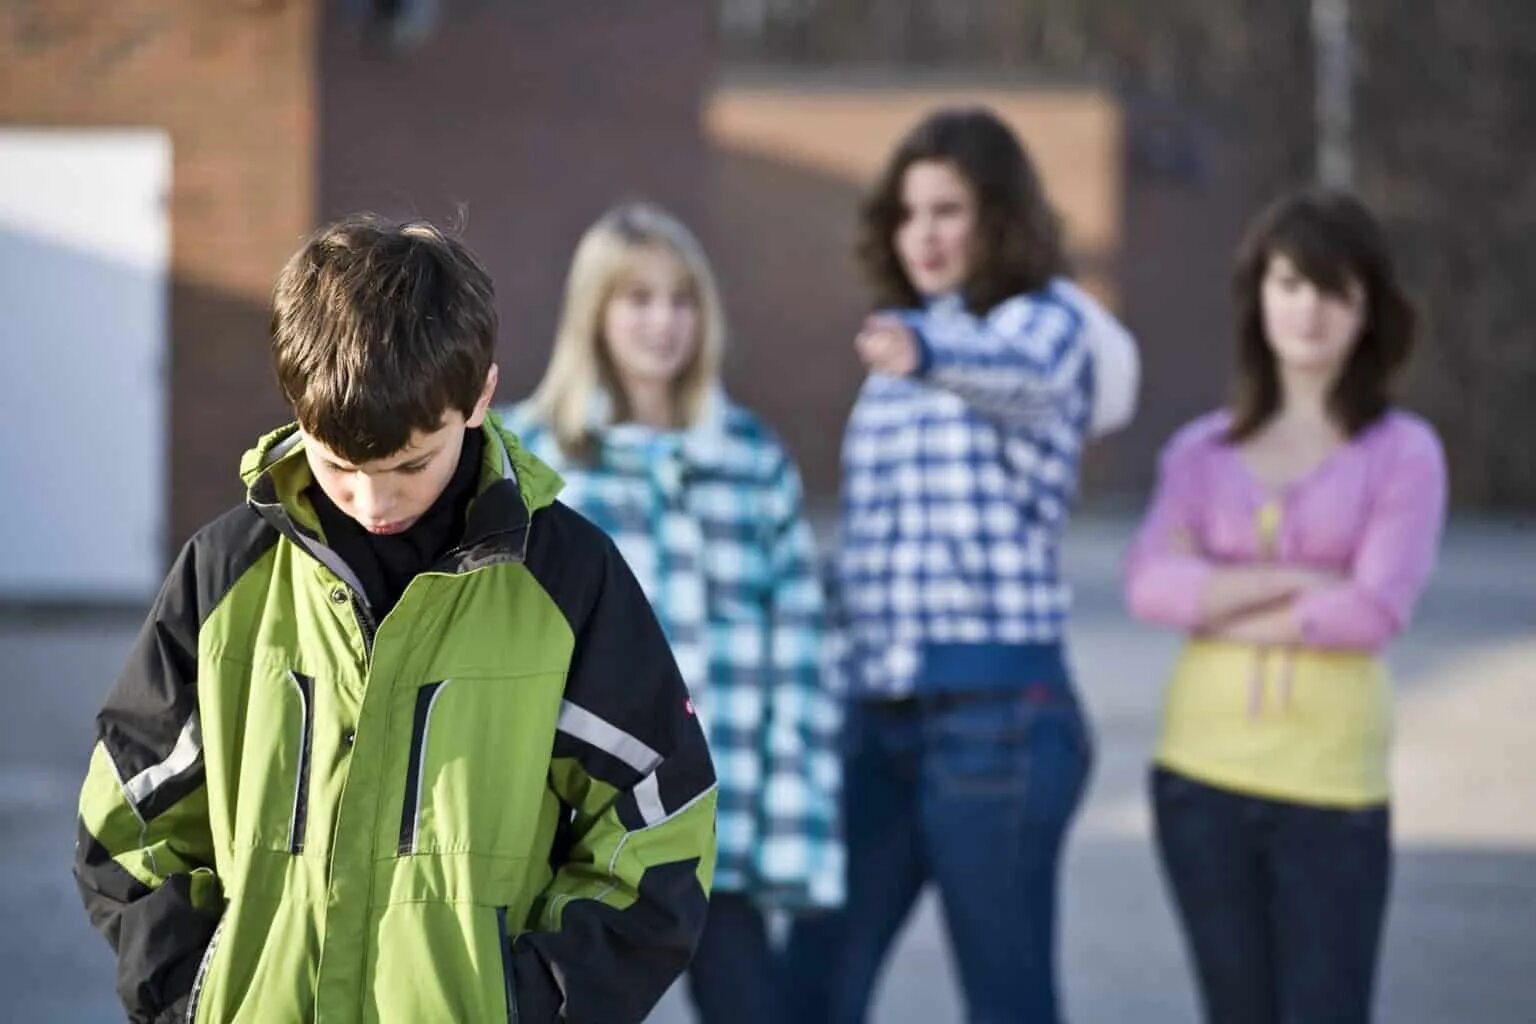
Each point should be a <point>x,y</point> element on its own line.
<point>711,521</point>
<point>957,482</point>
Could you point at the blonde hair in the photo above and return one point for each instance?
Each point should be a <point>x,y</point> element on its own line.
<point>580,367</point>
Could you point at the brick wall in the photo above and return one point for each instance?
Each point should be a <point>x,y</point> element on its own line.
<point>527,118</point>
<point>524,121</point>
<point>233,85</point>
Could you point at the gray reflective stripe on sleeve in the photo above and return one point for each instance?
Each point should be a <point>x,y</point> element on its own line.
<point>188,748</point>
<point>583,725</point>
<point>648,798</point>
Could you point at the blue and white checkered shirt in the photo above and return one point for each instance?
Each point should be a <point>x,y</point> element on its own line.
<point>957,483</point>
<point>711,522</point>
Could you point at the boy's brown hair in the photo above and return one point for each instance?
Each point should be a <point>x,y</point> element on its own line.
<point>378,329</point>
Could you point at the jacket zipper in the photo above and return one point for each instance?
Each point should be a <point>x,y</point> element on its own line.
<point>507,976</point>
<point>365,623</point>
<point>202,972</point>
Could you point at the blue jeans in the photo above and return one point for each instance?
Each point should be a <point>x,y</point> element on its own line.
<point>1282,903</point>
<point>972,792</point>
<point>733,977</point>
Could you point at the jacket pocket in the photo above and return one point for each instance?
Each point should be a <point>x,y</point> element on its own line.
<point>305,687</point>
<point>267,751</point>
<point>469,778</point>
<point>421,725</point>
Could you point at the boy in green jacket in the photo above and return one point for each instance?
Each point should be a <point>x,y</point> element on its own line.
<point>401,739</point>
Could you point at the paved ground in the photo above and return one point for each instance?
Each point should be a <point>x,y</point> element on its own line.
<point>1461,940</point>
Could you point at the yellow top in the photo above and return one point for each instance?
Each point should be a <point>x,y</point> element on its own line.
<point>1286,723</point>
<point>1308,726</point>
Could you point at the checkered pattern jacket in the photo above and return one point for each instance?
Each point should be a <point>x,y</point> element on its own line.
<point>710,519</point>
<point>957,482</point>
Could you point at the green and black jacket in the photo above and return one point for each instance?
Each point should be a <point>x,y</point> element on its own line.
<point>494,804</point>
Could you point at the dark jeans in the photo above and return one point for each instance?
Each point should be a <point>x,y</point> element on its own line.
<point>1282,903</point>
<point>733,977</point>
<point>974,793</point>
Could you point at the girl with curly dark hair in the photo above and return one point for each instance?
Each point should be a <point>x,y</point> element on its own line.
<point>966,752</point>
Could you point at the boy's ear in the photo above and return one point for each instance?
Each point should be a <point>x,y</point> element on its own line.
<point>478,416</point>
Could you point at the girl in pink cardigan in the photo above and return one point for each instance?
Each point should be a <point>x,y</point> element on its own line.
<point>1289,538</point>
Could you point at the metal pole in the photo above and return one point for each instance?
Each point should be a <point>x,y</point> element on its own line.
<point>1333,77</point>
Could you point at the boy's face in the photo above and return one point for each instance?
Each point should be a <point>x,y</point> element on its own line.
<point>388,495</point>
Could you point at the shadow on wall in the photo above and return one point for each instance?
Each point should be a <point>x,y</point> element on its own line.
<point>1188,194</point>
<point>225,396</point>
<point>524,121</point>
<point>781,238</point>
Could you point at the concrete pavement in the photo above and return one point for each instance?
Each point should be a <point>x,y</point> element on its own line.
<point>1461,942</point>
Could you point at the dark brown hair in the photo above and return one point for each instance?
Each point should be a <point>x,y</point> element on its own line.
<point>1334,242</point>
<point>378,329</point>
<point>1019,233</point>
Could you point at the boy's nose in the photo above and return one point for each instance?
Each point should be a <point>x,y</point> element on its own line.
<point>371,502</point>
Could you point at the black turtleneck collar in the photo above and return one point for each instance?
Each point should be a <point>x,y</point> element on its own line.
<point>386,565</point>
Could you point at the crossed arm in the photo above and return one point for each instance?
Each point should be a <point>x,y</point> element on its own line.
<point>1170,582</point>
<point>1258,603</point>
